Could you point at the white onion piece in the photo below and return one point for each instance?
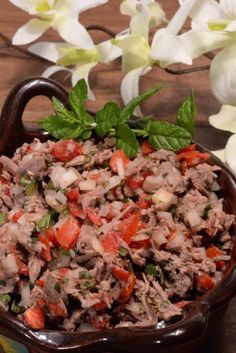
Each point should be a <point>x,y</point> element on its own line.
<point>113,182</point>
<point>176,241</point>
<point>104,210</point>
<point>159,237</point>
<point>194,219</point>
<point>222,258</point>
<point>61,197</point>
<point>25,296</point>
<point>140,237</point>
<point>87,185</point>
<point>9,263</point>
<point>97,246</point>
<point>167,216</point>
<point>120,167</point>
<point>153,183</point>
<point>62,177</point>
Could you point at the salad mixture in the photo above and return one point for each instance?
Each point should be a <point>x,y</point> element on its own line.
<point>92,238</point>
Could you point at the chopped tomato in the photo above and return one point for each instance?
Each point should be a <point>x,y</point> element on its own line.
<point>110,243</point>
<point>75,209</point>
<point>191,156</point>
<point>213,252</point>
<point>66,150</point>
<point>34,317</point>
<point>57,310</point>
<point>100,322</point>
<point>134,181</point>
<point>73,195</point>
<point>16,216</point>
<point>144,201</point>
<point>129,227</point>
<point>40,283</point>
<point>22,268</point>
<point>94,217</point>
<point>110,214</point>
<point>68,234</point>
<point>63,272</point>
<point>100,306</point>
<point>118,155</point>
<point>50,234</point>
<point>120,273</point>
<point>204,282</point>
<point>46,251</point>
<point>127,291</point>
<point>219,265</point>
<point>147,148</point>
<point>141,244</point>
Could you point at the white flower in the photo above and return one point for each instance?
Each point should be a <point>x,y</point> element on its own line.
<point>138,55</point>
<point>223,79</point>
<point>66,56</point>
<point>60,15</point>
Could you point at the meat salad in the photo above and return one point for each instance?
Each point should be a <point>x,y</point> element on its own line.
<point>91,238</point>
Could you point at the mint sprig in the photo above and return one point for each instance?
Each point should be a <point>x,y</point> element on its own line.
<point>111,120</point>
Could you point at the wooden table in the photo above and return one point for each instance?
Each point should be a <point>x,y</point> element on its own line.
<point>105,81</point>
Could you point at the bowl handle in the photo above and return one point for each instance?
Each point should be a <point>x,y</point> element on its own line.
<point>12,131</point>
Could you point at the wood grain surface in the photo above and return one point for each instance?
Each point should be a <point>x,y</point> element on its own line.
<point>105,81</point>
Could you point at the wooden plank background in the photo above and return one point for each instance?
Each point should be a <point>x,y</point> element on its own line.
<point>105,81</point>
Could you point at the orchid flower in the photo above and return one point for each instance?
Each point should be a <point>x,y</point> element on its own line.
<point>223,79</point>
<point>78,62</point>
<point>60,15</point>
<point>138,55</point>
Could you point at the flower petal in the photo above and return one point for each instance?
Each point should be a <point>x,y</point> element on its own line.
<point>128,7</point>
<point>223,75</point>
<point>162,49</point>
<point>108,52</point>
<point>83,5</point>
<point>47,50</point>
<point>200,42</point>
<point>82,71</point>
<point>130,86</point>
<point>178,20</point>
<point>30,32</point>
<point>229,7</point>
<point>220,154</point>
<point>73,32</point>
<point>203,12</point>
<point>225,119</point>
<point>230,154</point>
<point>54,69</point>
<point>139,24</point>
<point>22,4</point>
<point>231,27</point>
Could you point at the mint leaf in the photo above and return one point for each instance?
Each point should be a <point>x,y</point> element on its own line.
<point>167,136</point>
<point>78,97</point>
<point>60,128</point>
<point>127,140</point>
<point>60,110</point>
<point>107,118</point>
<point>186,114</point>
<point>130,107</point>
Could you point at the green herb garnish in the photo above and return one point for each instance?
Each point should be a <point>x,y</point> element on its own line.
<point>63,252</point>
<point>90,284</point>
<point>123,251</point>
<point>205,212</point>
<point>34,240</point>
<point>85,275</point>
<point>155,271</point>
<point>2,218</point>
<point>16,308</point>
<point>57,287</point>
<point>5,298</point>
<point>28,184</point>
<point>2,282</point>
<point>111,120</point>
<point>48,220</point>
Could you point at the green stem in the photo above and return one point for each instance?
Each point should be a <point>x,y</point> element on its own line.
<point>140,132</point>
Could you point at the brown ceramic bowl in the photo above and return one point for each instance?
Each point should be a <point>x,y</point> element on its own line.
<point>198,317</point>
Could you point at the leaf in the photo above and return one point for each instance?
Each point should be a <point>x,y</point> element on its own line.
<point>167,136</point>
<point>60,128</point>
<point>186,114</point>
<point>78,97</point>
<point>60,110</point>
<point>107,118</point>
<point>127,140</point>
<point>130,107</point>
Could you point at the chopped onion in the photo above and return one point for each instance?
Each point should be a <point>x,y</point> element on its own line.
<point>176,241</point>
<point>159,237</point>
<point>62,177</point>
<point>140,237</point>
<point>120,167</point>
<point>9,263</point>
<point>153,183</point>
<point>25,296</point>
<point>194,219</point>
<point>61,197</point>
<point>113,182</point>
<point>97,246</point>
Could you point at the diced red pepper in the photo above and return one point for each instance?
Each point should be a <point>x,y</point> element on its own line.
<point>67,235</point>
<point>66,150</point>
<point>34,317</point>
<point>100,322</point>
<point>50,234</point>
<point>129,227</point>
<point>94,217</point>
<point>16,216</point>
<point>213,252</point>
<point>118,154</point>
<point>100,306</point>
<point>40,283</point>
<point>191,156</point>
<point>75,209</point>
<point>134,181</point>
<point>141,244</point>
<point>57,310</point>
<point>127,291</point>
<point>73,195</point>
<point>23,269</point>
<point>144,201</point>
<point>46,251</point>
<point>119,273</point>
<point>204,282</point>
<point>110,243</point>
<point>147,148</point>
